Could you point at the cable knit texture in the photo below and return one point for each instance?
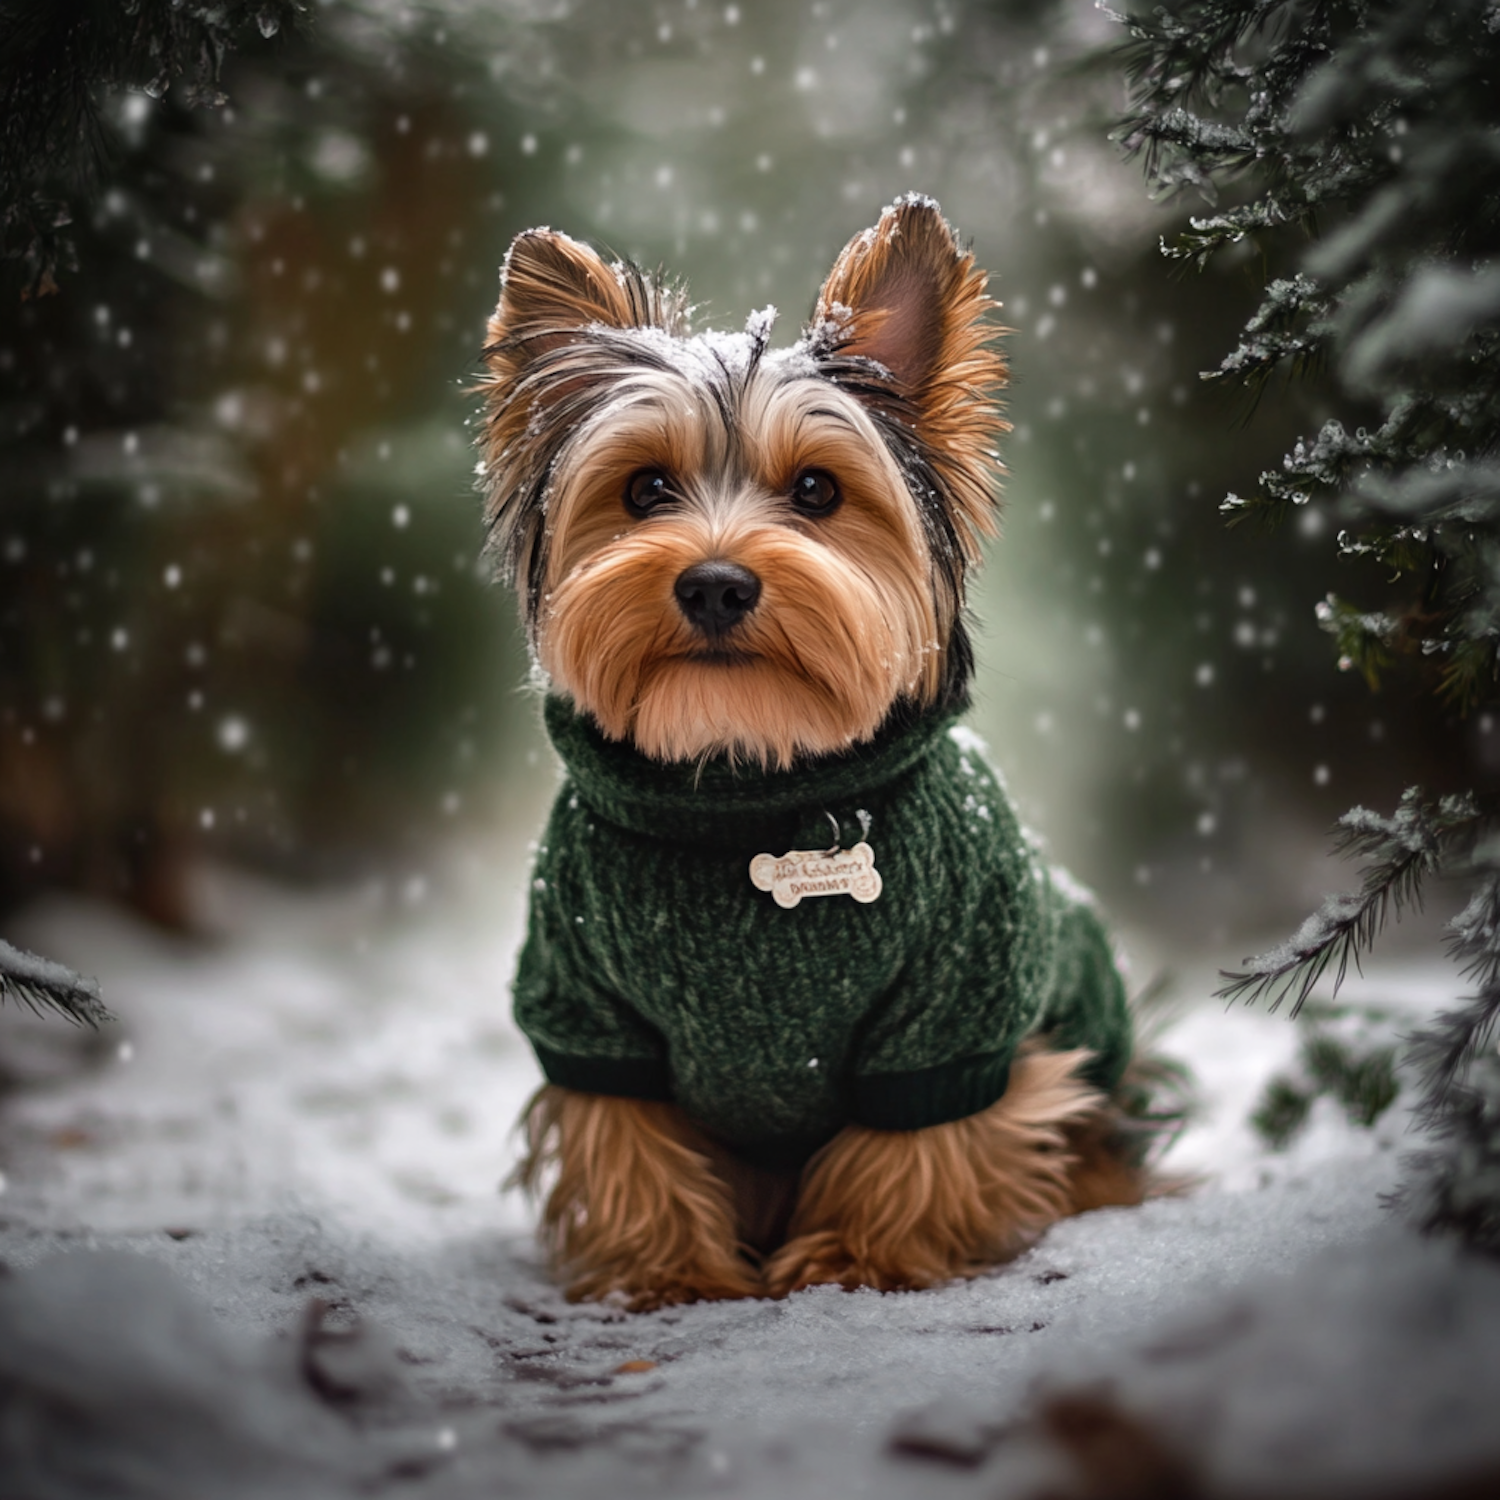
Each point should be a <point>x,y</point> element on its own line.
<point>654,969</point>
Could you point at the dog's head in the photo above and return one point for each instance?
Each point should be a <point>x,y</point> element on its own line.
<point>723,548</point>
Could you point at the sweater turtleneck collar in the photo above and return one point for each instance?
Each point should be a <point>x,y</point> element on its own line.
<point>714,803</point>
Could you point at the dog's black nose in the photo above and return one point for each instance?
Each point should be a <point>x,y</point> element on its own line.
<point>715,596</point>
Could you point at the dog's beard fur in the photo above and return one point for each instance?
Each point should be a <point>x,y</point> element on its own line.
<point>592,381</point>
<point>846,623</point>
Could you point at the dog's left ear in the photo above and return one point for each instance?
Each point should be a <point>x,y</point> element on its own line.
<point>908,298</point>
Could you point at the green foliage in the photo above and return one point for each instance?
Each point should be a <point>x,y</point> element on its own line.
<point>1363,638</point>
<point>1282,1112</point>
<point>1357,139</point>
<point>1346,1054</point>
<point>1353,143</point>
<point>59,62</point>
<point>1364,1083</point>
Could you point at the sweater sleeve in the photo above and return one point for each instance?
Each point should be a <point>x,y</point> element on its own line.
<point>585,1037</point>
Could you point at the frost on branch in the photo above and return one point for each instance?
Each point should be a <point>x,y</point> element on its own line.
<point>1400,851</point>
<point>1358,140</point>
<point>39,984</point>
<point>1290,325</point>
<point>1455,1185</point>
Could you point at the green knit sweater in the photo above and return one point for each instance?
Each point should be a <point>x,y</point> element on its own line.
<point>653,968</point>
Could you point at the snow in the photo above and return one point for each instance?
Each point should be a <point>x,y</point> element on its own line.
<point>264,1255</point>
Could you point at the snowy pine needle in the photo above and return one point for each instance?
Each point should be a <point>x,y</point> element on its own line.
<point>1418,840</point>
<point>41,985</point>
<point>1344,926</point>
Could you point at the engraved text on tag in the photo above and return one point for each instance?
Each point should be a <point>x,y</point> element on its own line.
<point>811,872</point>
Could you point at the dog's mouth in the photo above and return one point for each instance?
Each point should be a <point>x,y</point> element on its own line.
<point>721,656</point>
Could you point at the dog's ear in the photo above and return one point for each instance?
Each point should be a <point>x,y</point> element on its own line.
<point>550,287</point>
<point>907,297</point>
<point>553,289</point>
<point>543,362</point>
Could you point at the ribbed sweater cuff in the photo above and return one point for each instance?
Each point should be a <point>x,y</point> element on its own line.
<point>930,1096</point>
<point>626,1077</point>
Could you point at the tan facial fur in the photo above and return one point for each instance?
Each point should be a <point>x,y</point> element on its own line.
<point>592,382</point>
<point>845,622</point>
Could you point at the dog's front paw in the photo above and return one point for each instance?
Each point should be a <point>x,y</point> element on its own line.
<point>645,1291</point>
<point>823,1259</point>
<point>674,1291</point>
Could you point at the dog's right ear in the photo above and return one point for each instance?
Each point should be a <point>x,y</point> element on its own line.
<point>553,289</point>
<point>545,360</point>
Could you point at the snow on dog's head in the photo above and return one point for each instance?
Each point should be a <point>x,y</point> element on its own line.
<point>724,548</point>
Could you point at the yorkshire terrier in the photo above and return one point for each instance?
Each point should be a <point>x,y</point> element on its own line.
<point>810,1006</point>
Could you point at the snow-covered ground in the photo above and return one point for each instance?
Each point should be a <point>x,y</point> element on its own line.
<point>259,1251</point>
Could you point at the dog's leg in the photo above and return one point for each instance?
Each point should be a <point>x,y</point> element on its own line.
<point>910,1208</point>
<point>634,1208</point>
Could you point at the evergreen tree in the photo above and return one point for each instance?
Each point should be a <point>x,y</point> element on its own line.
<point>60,61</point>
<point>238,605</point>
<point>1356,146</point>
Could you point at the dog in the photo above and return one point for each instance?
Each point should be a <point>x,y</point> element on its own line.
<point>810,1005</point>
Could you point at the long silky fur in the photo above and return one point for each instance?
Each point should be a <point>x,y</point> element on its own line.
<point>897,1209</point>
<point>846,624</point>
<point>633,1209</point>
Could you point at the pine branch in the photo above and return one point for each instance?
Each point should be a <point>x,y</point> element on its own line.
<point>1345,926</point>
<point>1377,118</point>
<point>41,985</point>
<point>1364,638</point>
<point>1441,1052</point>
<point>1456,1187</point>
<point>1401,852</point>
<point>59,60</point>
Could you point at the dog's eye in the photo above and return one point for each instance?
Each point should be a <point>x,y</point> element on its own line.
<point>814,493</point>
<point>646,490</point>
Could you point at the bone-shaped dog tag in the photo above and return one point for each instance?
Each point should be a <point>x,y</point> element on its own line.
<point>815,872</point>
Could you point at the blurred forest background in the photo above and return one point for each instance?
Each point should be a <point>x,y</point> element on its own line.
<point>243,614</point>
